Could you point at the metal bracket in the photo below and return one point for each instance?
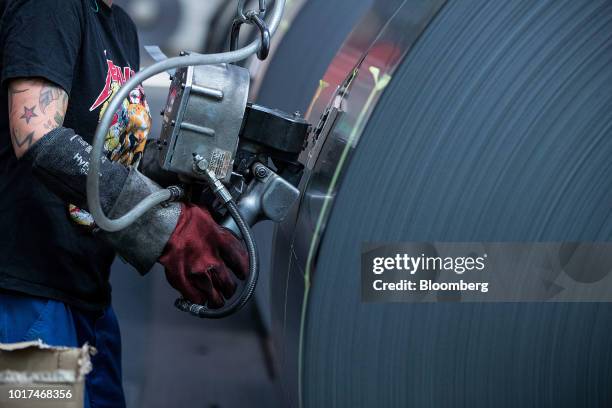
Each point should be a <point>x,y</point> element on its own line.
<point>268,197</point>
<point>203,116</point>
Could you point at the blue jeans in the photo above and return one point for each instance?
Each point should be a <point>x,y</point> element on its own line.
<point>25,318</point>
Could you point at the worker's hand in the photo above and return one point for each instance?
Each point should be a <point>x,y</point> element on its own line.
<point>201,256</point>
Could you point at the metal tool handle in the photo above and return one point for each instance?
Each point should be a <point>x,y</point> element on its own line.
<point>268,197</point>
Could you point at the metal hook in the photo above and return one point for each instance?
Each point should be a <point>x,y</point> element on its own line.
<point>253,19</point>
<point>264,50</point>
<point>235,34</point>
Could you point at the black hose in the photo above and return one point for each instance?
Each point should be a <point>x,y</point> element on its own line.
<point>249,288</point>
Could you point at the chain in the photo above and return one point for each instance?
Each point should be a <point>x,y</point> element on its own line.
<point>251,17</point>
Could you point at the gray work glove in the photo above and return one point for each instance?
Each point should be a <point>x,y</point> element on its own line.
<point>61,160</point>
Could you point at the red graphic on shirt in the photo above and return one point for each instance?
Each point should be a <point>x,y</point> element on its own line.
<point>115,75</point>
<point>126,138</point>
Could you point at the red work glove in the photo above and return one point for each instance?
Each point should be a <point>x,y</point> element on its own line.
<point>200,257</point>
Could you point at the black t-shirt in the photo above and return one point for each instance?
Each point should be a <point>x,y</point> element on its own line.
<point>47,247</point>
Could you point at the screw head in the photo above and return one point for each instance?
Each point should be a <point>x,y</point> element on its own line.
<point>260,171</point>
<point>200,165</point>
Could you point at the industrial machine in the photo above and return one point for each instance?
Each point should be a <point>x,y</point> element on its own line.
<point>245,155</point>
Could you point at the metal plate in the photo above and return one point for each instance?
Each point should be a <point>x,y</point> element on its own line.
<point>204,115</point>
<point>492,130</point>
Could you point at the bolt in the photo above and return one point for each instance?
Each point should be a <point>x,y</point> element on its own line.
<point>260,171</point>
<point>200,165</point>
<point>297,114</point>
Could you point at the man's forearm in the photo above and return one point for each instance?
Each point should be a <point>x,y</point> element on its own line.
<point>36,107</point>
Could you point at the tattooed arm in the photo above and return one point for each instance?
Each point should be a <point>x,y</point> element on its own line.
<point>36,106</point>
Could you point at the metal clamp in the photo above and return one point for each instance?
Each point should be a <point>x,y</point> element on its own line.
<point>177,193</point>
<point>242,15</point>
<point>268,197</point>
<point>255,18</point>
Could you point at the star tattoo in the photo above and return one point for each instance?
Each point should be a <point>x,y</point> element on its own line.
<point>28,114</point>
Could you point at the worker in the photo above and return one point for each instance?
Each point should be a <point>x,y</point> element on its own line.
<point>61,63</point>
